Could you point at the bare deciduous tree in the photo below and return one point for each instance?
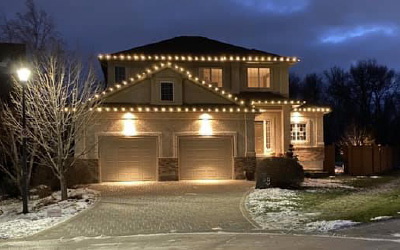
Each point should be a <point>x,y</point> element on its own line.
<point>11,141</point>
<point>61,99</point>
<point>356,136</point>
<point>34,28</point>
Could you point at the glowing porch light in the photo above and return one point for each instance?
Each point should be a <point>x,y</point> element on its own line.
<point>205,125</point>
<point>129,125</point>
<point>296,117</point>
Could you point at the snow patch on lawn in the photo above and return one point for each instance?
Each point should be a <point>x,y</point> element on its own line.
<point>375,177</point>
<point>324,183</point>
<point>378,218</point>
<point>278,209</point>
<point>14,224</point>
<point>326,226</point>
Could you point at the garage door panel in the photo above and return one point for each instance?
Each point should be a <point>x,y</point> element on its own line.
<point>205,158</point>
<point>128,159</point>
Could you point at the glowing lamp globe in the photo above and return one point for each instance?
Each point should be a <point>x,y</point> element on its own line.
<point>23,74</point>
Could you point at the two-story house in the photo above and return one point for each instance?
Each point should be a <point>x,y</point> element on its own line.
<point>192,108</point>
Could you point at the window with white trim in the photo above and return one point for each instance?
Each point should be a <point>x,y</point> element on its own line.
<point>211,75</point>
<point>258,77</point>
<point>120,74</point>
<point>166,91</point>
<point>268,134</point>
<point>298,132</point>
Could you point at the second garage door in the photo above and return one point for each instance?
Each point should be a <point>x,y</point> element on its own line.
<point>128,159</point>
<point>205,158</point>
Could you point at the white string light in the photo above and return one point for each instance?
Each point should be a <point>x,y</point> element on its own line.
<point>171,109</point>
<point>161,66</point>
<point>322,110</point>
<point>276,102</point>
<point>203,58</point>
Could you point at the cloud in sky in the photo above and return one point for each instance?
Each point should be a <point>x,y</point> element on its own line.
<point>323,33</point>
<point>280,7</point>
<point>340,35</point>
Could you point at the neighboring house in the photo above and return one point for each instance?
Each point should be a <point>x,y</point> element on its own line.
<point>192,108</point>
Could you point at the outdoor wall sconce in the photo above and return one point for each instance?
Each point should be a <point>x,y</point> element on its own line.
<point>205,125</point>
<point>129,126</point>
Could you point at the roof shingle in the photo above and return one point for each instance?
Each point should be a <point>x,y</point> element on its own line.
<point>193,45</point>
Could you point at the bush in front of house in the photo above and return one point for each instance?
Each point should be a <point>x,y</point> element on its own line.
<point>281,172</point>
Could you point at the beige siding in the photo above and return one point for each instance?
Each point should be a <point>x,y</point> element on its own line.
<point>148,91</point>
<point>139,93</point>
<point>193,94</point>
<point>168,127</point>
<point>234,73</point>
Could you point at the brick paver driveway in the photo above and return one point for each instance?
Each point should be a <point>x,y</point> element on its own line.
<point>159,207</point>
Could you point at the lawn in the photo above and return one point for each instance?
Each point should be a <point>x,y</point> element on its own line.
<point>327,204</point>
<point>359,206</point>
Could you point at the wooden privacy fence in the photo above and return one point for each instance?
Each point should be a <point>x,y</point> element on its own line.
<point>329,159</point>
<point>368,160</point>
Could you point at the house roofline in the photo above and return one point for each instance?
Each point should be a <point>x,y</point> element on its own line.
<point>147,108</point>
<point>196,58</point>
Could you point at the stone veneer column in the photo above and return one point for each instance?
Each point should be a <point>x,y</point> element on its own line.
<point>168,169</point>
<point>242,164</point>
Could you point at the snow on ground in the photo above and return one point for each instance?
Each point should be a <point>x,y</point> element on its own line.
<point>378,218</point>
<point>278,209</point>
<point>275,209</point>
<point>14,224</point>
<point>325,183</point>
<point>326,226</point>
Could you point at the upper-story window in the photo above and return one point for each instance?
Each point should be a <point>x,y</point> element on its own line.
<point>212,75</point>
<point>120,74</point>
<point>258,77</point>
<point>167,91</point>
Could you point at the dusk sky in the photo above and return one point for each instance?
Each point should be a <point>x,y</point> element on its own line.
<point>323,33</point>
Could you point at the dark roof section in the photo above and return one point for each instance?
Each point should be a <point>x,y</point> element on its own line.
<point>261,96</point>
<point>193,45</point>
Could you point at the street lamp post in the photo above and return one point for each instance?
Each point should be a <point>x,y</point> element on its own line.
<point>23,76</point>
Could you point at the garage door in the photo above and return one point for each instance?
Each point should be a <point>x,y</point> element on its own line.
<point>205,158</point>
<point>128,159</point>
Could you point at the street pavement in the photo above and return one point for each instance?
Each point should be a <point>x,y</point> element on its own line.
<point>253,241</point>
<point>388,229</point>
<point>188,215</point>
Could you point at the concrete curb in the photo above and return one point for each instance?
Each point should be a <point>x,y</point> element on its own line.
<point>244,212</point>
